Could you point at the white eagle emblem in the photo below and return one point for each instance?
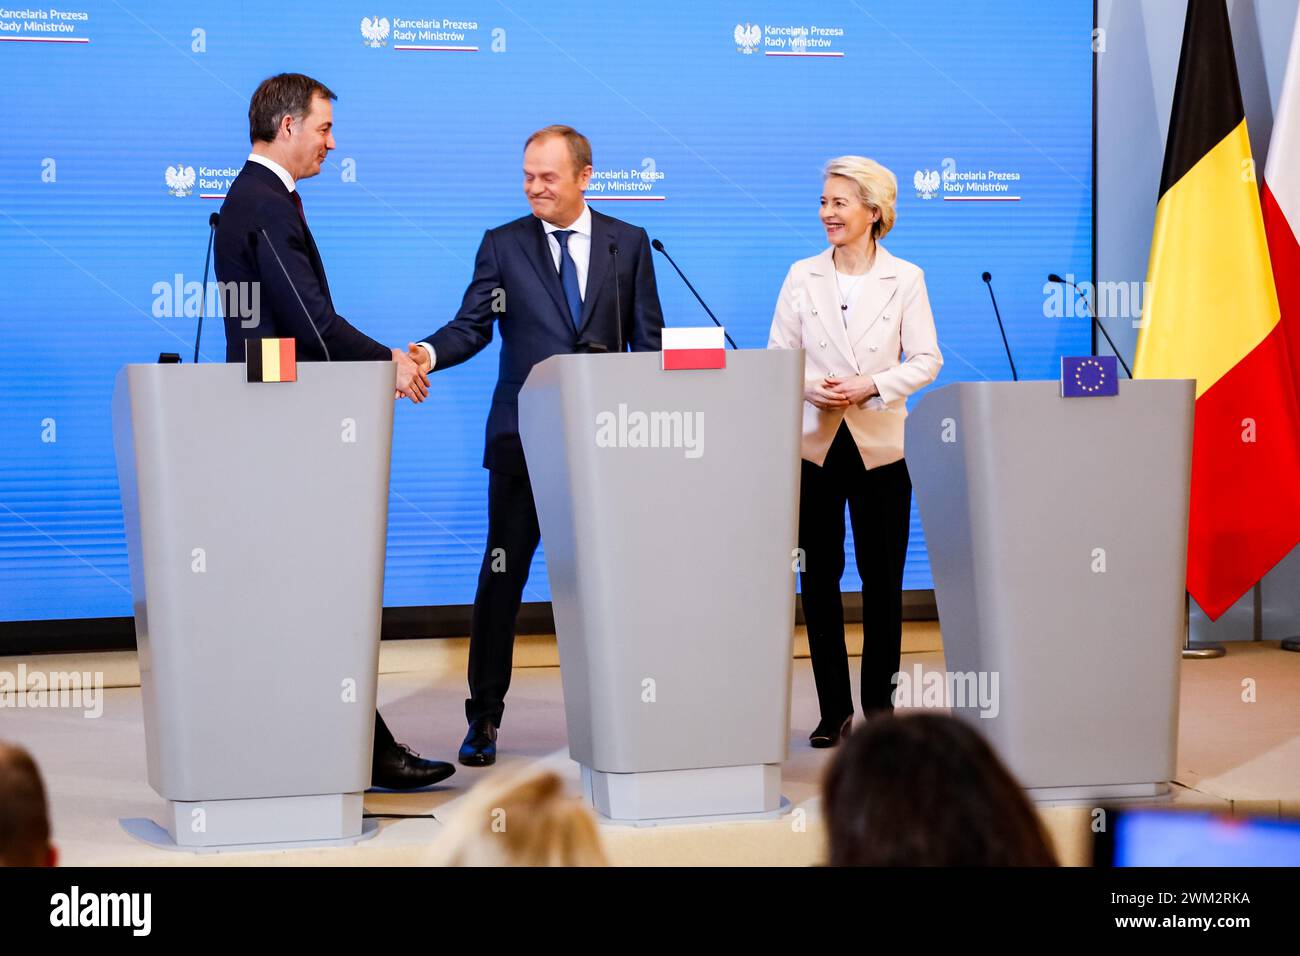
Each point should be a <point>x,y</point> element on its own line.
<point>747,37</point>
<point>375,32</point>
<point>180,179</point>
<point>926,182</point>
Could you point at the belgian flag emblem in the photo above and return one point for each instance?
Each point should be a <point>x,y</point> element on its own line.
<point>271,360</point>
<point>1212,314</point>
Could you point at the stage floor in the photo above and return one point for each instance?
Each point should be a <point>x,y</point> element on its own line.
<point>1234,756</point>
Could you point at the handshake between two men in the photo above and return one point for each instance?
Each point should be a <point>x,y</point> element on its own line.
<point>576,281</point>
<point>413,367</point>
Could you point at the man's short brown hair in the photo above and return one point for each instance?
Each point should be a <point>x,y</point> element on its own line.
<point>24,814</point>
<point>579,146</point>
<point>286,94</point>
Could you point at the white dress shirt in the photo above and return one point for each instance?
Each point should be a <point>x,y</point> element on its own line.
<point>848,285</point>
<point>276,168</point>
<point>579,248</point>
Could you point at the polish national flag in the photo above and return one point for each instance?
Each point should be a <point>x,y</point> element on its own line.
<point>1281,203</point>
<point>694,348</point>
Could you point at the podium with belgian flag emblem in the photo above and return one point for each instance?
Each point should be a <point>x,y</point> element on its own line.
<point>256,524</point>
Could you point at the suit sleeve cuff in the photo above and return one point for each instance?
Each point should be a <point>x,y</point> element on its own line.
<point>433,356</point>
<point>885,387</point>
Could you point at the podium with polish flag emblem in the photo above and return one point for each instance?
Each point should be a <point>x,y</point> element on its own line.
<point>667,498</point>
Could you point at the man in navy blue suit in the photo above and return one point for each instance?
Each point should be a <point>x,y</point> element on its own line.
<point>548,281</point>
<point>263,240</point>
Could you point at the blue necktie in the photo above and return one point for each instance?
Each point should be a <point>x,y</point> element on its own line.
<point>569,276</point>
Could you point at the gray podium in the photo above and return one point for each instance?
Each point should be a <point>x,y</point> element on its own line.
<point>256,521</point>
<point>670,552</point>
<point>1057,533</point>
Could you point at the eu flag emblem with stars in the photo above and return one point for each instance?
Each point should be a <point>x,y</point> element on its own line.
<point>1085,376</point>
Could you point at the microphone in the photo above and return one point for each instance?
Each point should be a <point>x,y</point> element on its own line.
<point>618,300</point>
<point>310,321</point>
<point>659,247</point>
<point>1092,318</point>
<point>988,281</point>
<point>207,259</point>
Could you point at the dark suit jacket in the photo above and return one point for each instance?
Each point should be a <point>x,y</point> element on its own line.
<point>257,201</point>
<point>516,258</point>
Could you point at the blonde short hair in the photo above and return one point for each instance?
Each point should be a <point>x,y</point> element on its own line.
<point>877,187</point>
<point>521,819</point>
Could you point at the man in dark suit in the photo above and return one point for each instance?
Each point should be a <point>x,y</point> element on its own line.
<point>548,280</point>
<point>263,239</point>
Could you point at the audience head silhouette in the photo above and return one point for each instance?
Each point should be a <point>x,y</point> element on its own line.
<point>24,814</point>
<point>926,790</point>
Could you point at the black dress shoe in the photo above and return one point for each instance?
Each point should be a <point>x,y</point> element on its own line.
<point>398,767</point>
<point>829,732</point>
<point>480,746</point>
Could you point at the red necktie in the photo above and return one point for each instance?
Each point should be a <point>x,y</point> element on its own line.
<point>297,201</point>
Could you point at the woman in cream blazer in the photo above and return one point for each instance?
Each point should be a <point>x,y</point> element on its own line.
<point>863,319</point>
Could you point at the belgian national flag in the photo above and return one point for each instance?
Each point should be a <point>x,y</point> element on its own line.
<point>1211,314</point>
<point>271,360</point>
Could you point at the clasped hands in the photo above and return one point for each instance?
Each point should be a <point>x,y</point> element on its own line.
<point>413,368</point>
<point>839,392</point>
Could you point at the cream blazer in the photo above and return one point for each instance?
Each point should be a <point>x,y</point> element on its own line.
<point>889,319</point>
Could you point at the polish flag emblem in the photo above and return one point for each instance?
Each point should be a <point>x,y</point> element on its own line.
<point>694,348</point>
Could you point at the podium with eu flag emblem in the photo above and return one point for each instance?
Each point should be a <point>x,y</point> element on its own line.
<point>1055,516</point>
<point>256,524</point>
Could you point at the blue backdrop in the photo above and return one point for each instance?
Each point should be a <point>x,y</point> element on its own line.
<point>709,123</point>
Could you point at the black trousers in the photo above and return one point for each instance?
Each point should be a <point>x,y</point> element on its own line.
<point>879,502</point>
<point>513,535</point>
<point>383,736</point>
